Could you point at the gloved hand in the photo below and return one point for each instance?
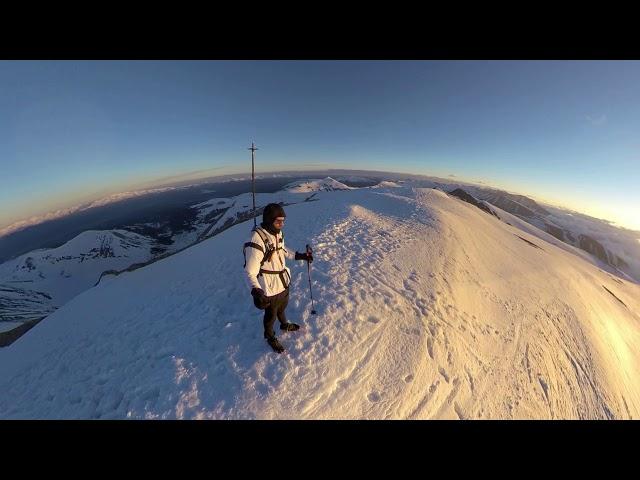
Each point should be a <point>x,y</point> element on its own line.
<point>308,256</point>
<point>260,300</point>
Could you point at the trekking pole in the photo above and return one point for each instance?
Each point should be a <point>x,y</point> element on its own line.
<point>313,310</point>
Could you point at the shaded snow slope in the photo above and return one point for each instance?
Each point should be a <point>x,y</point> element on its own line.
<point>35,284</point>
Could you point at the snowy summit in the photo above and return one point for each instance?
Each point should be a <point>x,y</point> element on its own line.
<point>325,185</point>
<point>427,307</point>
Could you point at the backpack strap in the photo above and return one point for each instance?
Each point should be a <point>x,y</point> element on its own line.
<point>265,238</point>
<point>244,252</point>
<point>267,243</point>
<point>285,278</point>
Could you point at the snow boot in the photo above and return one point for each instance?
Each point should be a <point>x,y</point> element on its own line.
<point>289,327</point>
<point>275,344</point>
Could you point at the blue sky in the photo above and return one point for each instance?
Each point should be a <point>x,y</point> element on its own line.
<point>563,131</point>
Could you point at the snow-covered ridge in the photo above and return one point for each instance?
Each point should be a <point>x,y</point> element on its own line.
<point>63,272</point>
<point>427,308</point>
<point>610,244</point>
<point>324,185</point>
<point>24,300</point>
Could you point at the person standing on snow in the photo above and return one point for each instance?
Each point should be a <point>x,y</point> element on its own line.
<point>266,272</point>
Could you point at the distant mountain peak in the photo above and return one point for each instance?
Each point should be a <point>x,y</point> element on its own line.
<point>326,184</point>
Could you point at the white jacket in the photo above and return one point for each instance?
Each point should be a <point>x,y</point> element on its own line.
<point>271,284</point>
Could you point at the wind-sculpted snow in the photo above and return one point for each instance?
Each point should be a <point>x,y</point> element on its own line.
<point>426,307</point>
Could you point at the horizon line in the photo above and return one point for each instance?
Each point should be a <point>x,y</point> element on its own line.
<point>164,183</point>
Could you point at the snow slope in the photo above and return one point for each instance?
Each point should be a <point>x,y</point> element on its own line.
<point>621,242</point>
<point>427,308</point>
<point>65,271</point>
<point>614,245</point>
<point>36,283</point>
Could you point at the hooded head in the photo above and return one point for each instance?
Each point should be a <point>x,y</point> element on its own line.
<point>269,214</point>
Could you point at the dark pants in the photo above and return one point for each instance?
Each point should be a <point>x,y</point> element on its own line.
<point>275,309</point>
